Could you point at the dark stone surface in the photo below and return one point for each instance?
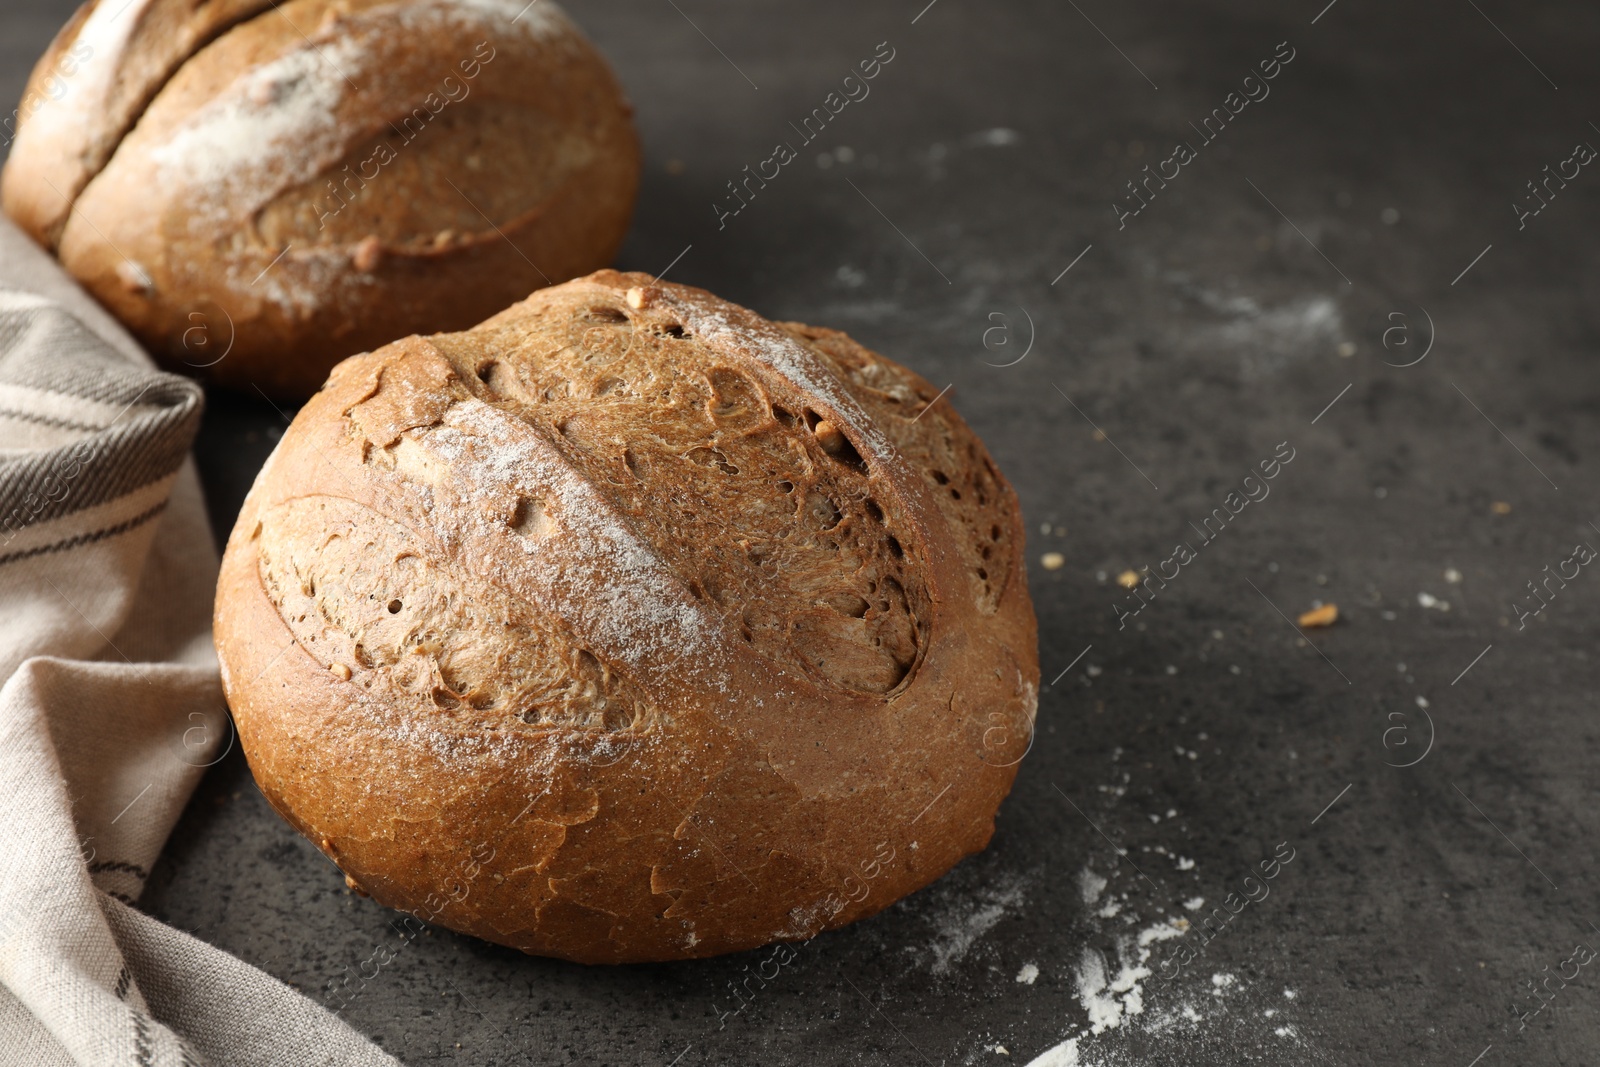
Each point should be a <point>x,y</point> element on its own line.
<point>1197,338</point>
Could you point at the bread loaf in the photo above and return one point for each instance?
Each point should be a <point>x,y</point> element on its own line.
<point>260,189</point>
<point>631,626</point>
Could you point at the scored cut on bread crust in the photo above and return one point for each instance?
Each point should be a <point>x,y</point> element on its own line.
<point>109,61</point>
<point>274,187</point>
<point>631,626</point>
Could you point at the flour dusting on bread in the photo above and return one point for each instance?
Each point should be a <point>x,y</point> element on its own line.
<point>542,18</point>
<point>636,605</point>
<point>275,126</point>
<point>297,181</point>
<point>652,593</point>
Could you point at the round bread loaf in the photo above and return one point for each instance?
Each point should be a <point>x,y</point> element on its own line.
<point>258,189</point>
<point>631,626</point>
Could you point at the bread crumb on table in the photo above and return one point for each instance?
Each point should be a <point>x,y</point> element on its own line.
<point>1326,615</point>
<point>1052,561</point>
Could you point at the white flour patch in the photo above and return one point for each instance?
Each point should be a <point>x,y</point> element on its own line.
<point>995,137</point>
<point>1029,973</point>
<point>1123,1030</point>
<point>1162,932</point>
<point>540,19</point>
<point>1133,1008</point>
<point>1266,339</point>
<point>272,128</point>
<point>1296,326</point>
<point>1063,1055</point>
<point>962,925</point>
<point>1111,997</point>
<point>1091,885</point>
<point>1165,1034</point>
<point>633,605</point>
<point>1104,1011</point>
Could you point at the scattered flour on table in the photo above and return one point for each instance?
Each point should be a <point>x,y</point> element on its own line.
<point>961,926</point>
<point>1091,885</point>
<point>1146,1034</point>
<point>1124,1031</point>
<point>1133,1009</point>
<point>1108,997</point>
<point>1133,1017</point>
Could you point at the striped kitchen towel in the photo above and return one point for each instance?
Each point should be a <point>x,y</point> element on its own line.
<point>110,706</point>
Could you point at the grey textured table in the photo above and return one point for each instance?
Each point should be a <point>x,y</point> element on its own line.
<point>1128,370</point>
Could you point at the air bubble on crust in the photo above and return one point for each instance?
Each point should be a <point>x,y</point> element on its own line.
<point>736,403</point>
<point>835,443</point>
<point>530,519</point>
<point>711,457</point>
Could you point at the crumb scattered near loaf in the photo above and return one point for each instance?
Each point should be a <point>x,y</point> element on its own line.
<point>1128,579</point>
<point>1052,561</point>
<point>1318,617</point>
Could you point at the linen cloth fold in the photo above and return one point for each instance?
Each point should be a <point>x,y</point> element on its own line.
<point>110,706</point>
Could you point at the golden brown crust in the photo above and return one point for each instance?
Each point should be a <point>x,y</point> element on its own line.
<point>630,626</point>
<point>98,75</point>
<point>331,174</point>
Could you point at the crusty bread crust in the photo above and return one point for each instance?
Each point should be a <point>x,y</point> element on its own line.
<point>108,62</point>
<point>324,176</point>
<point>631,626</point>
